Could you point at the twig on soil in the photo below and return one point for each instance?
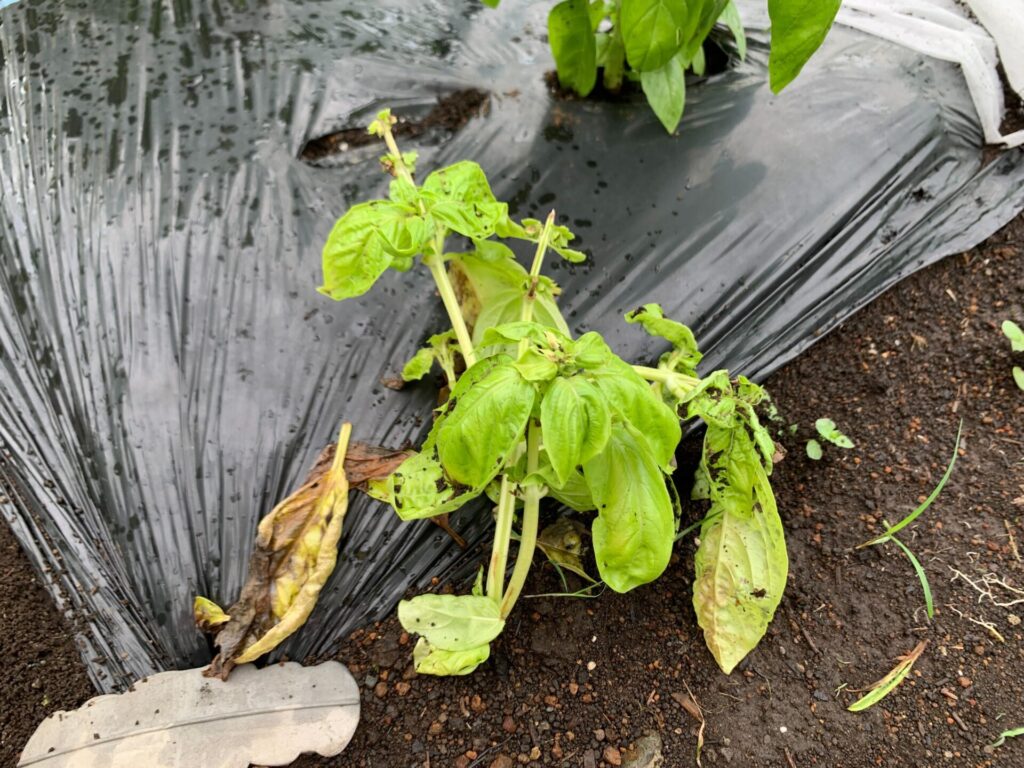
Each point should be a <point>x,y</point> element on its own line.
<point>789,758</point>
<point>1013,541</point>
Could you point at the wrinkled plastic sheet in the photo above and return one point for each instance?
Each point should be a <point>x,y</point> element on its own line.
<point>167,370</point>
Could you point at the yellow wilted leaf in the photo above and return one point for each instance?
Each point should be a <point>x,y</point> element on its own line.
<point>208,614</point>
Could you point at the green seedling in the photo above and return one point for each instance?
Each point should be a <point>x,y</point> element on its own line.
<point>539,414</point>
<point>1010,734</point>
<point>655,42</point>
<point>885,686</point>
<point>829,432</point>
<point>891,531</point>
<point>1013,332</point>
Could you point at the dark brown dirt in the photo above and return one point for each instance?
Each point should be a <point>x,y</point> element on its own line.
<point>573,682</point>
<point>448,116</point>
<point>40,667</point>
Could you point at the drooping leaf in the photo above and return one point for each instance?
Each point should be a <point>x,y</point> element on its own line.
<point>630,397</point>
<point>741,567</point>
<point>665,89</point>
<point>419,365</point>
<point>731,18</point>
<point>572,44</point>
<point>634,529</point>
<point>686,353</point>
<point>882,688</point>
<point>575,422</point>
<point>652,31</point>
<point>828,430</point>
<point>441,663</point>
<point>574,493</point>
<point>799,28</point>
<point>452,622</point>
<point>487,421</point>
<point>296,549</point>
<point>491,294</point>
<point>562,543</point>
<point>365,242</point>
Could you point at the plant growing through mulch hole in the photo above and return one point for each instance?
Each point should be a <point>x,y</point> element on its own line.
<point>655,42</point>
<point>892,530</point>
<point>829,432</point>
<point>537,413</point>
<point>1013,332</point>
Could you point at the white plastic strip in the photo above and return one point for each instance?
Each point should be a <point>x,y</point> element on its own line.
<point>1004,20</point>
<point>936,28</point>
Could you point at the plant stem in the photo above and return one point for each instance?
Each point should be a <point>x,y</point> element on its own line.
<point>435,261</point>
<point>678,383</point>
<point>502,537</point>
<point>538,260</point>
<point>451,305</point>
<point>531,513</point>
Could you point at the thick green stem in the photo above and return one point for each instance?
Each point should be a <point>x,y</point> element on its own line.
<point>502,537</point>
<point>531,514</point>
<point>538,260</point>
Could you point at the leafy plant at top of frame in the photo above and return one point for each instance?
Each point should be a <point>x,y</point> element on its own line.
<point>655,42</point>
<point>538,413</point>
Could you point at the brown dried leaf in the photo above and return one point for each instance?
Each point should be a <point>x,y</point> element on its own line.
<point>296,550</point>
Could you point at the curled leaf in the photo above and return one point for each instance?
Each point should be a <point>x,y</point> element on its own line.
<point>562,542</point>
<point>207,614</point>
<point>296,550</point>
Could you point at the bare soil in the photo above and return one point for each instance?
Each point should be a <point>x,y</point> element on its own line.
<point>575,682</point>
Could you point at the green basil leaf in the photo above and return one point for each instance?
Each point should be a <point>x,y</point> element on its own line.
<point>512,333</point>
<point>463,182</point>
<point>486,422</point>
<point>590,351</point>
<point>741,568</point>
<point>533,366</point>
<point>697,63</point>
<point>1018,376</point>
<point>814,452</point>
<point>403,191</point>
<point>419,365</point>
<point>652,31</point>
<point>598,11</point>
<point>631,398</point>
<point>363,244</point>
<point>799,28</point>
<point>731,18</point>
<point>686,355</point>
<point>452,622</point>
<point>665,89</point>
<point>635,526</point>
<point>492,250</point>
<point>572,44</point>
<point>435,661</point>
<point>575,422</point>
<point>701,17</point>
